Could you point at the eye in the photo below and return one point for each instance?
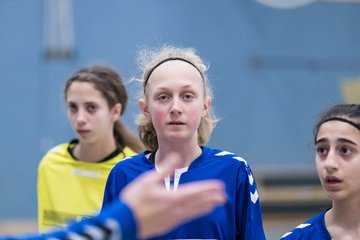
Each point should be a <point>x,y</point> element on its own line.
<point>188,97</point>
<point>321,150</point>
<point>345,150</point>
<point>72,107</point>
<point>91,108</point>
<point>163,97</point>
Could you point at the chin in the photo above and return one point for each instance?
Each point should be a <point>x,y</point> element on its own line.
<point>335,196</point>
<point>86,140</point>
<point>176,137</point>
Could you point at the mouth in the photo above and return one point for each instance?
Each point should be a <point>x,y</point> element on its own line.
<point>332,180</point>
<point>332,183</point>
<point>176,123</point>
<point>82,131</point>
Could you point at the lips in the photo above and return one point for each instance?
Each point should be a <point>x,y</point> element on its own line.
<point>332,180</point>
<point>176,123</point>
<point>82,131</point>
<point>332,183</point>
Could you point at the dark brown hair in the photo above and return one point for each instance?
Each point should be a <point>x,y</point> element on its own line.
<point>344,112</point>
<point>110,84</point>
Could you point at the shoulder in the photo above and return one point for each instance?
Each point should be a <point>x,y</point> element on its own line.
<point>129,152</point>
<point>128,169</point>
<point>226,157</point>
<point>59,151</point>
<point>60,148</point>
<point>314,228</point>
<point>138,161</point>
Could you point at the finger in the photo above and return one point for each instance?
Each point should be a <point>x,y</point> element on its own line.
<point>203,191</point>
<point>197,199</point>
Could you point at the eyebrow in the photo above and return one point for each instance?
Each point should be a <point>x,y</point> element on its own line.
<point>86,103</point>
<point>188,86</point>
<point>342,140</point>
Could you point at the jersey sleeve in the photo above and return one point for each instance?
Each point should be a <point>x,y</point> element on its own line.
<point>42,192</point>
<point>115,222</point>
<point>312,229</point>
<point>249,218</point>
<point>39,191</point>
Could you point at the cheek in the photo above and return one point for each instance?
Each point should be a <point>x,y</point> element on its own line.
<point>157,117</point>
<point>318,169</point>
<point>71,118</point>
<point>196,113</point>
<point>102,119</point>
<point>318,165</point>
<point>108,119</point>
<point>353,169</point>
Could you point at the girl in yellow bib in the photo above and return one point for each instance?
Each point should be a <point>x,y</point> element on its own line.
<point>72,176</point>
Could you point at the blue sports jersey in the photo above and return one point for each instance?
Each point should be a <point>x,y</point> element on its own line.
<point>115,222</point>
<point>312,229</point>
<point>239,218</point>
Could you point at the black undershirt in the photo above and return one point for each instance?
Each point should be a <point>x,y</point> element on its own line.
<point>74,142</point>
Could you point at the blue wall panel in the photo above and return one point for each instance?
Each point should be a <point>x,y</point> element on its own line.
<point>272,69</point>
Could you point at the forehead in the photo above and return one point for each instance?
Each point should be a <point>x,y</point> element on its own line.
<point>175,70</point>
<point>83,90</point>
<point>338,129</point>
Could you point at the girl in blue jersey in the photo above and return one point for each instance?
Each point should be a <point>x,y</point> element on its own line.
<point>177,117</point>
<point>337,143</point>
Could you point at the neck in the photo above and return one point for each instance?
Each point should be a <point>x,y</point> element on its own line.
<point>94,152</point>
<point>188,153</point>
<point>343,219</point>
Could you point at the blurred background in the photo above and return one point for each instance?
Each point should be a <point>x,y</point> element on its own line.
<point>274,65</point>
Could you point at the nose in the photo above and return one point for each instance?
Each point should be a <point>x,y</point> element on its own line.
<point>176,107</point>
<point>331,161</point>
<point>81,117</point>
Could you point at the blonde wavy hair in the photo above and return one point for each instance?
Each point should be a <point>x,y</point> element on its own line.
<point>148,60</point>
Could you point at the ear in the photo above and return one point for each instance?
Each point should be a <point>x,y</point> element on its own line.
<point>207,105</point>
<point>116,111</point>
<point>144,107</point>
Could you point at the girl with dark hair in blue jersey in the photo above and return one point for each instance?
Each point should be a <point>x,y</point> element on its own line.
<point>177,117</point>
<point>337,143</point>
